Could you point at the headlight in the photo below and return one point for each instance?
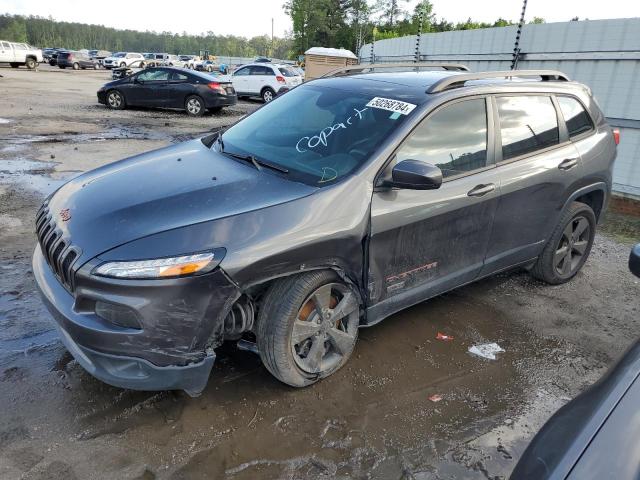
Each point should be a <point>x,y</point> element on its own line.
<point>161,267</point>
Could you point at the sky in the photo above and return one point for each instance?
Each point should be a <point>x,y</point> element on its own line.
<point>249,18</point>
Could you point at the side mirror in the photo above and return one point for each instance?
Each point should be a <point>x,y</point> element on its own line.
<point>415,175</point>
<point>634,261</point>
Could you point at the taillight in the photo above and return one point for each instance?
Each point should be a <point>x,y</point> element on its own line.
<point>280,79</point>
<point>217,87</point>
<point>616,136</point>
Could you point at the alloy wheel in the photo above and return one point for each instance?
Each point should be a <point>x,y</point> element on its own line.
<point>325,328</point>
<point>114,99</point>
<point>194,106</point>
<point>572,246</point>
<point>267,96</point>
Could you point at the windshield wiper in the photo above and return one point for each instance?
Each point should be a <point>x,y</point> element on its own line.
<point>258,163</point>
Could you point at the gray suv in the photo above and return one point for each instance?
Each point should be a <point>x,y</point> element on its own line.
<point>341,202</point>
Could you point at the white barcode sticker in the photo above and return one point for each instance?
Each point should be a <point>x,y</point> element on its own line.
<point>391,105</point>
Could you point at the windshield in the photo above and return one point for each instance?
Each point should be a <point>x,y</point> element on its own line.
<point>319,134</point>
<point>120,54</point>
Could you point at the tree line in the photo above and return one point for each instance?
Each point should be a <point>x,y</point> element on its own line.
<point>47,32</point>
<point>352,23</point>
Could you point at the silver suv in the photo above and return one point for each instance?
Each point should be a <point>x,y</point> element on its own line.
<point>332,207</point>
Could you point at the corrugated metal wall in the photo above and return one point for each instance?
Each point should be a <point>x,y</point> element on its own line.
<point>603,54</point>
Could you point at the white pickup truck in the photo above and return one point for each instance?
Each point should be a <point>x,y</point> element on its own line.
<point>16,54</point>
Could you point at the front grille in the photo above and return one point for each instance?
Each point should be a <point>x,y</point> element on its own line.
<point>57,250</point>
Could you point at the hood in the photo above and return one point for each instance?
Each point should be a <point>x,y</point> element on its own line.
<point>162,190</point>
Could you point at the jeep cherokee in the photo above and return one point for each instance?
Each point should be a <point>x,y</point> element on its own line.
<point>341,202</point>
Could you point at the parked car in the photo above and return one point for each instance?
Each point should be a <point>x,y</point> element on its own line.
<point>99,55</point>
<point>343,201</point>
<point>76,60</point>
<point>173,61</point>
<point>264,80</point>
<point>124,59</point>
<point>52,56</point>
<point>166,87</point>
<point>188,61</point>
<point>16,54</point>
<point>207,66</point>
<point>595,435</point>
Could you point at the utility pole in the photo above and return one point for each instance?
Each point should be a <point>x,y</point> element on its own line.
<point>373,42</point>
<point>516,48</point>
<point>420,19</point>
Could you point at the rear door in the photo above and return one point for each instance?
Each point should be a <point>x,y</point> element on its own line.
<point>179,88</point>
<point>538,168</point>
<point>426,242</point>
<point>6,52</point>
<point>261,76</point>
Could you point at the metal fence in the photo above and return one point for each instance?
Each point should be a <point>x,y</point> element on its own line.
<point>603,54</point>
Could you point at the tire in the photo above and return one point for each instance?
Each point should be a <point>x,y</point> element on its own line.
<point>268,95</point>
<point>30,63</point>
<point>76,66</point>
<point>290,311</point>
<point>96,66</point>
<point>52,62</point>
<point>122,64</point>
<point>115,100</point>
<point>143,65</point>
<point>194,106</point>
<point>568,247</point>
<point>14,65</point>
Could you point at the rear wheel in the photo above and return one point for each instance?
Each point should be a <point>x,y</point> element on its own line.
<point>307,327</point>
<point>268,94</point>
<point>194,106</point>
<point>115,100</point>
<point>30,63</point>
<point>76,66</point>
<point>568,247</point>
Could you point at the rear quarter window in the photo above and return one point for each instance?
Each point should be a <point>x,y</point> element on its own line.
<point>527,124</point>
<point>575,116</point>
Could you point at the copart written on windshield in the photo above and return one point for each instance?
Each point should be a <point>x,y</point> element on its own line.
<point>321,138</point>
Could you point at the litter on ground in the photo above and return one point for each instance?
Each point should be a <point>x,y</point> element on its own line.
<point>443,337</point>
<point>486,350</point>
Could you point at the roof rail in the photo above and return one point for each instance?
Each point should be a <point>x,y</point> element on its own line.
<point>408,65</point>
<point>456,81</point>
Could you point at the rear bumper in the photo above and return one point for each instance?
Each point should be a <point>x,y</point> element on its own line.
<point>172,349</point>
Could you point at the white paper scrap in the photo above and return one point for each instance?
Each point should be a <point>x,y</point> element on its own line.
<point>486,350</point>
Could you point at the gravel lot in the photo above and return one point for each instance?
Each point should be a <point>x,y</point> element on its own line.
<point>373,419</point>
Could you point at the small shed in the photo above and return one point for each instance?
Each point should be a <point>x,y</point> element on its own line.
<point>319,60</point>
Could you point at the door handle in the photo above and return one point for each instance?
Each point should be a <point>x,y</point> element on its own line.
<point>481,190</point>
<point>568,163</point>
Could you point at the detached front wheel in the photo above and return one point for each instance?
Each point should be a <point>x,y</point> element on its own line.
<point>307,327</point>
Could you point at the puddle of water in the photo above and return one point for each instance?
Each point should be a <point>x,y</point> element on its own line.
<point>29,174</point>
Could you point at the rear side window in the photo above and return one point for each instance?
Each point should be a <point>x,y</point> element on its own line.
<point>261,71</point>
<point>179,77</point>
<point>575,116</point>
<point>287,72</point>
<point>454,139</point>
<point>527,124</point>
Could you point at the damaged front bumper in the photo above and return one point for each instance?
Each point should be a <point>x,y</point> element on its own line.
<point>169,342</point>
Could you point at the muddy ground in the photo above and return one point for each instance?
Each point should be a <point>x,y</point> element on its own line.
<point>373,419</point>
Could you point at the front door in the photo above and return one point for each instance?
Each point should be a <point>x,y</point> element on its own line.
<point>260,77</point>
<point>426,242</point>
<point>149,88</point>
<point>6,52</point>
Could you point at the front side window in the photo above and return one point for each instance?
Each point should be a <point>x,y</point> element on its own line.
<point>20,46</point>
<point>575,116</point>
<point>6,46</point>
<point>154,76</point>
<point>527,124</point>
<point>454,139</point>
<point>319,134</point>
